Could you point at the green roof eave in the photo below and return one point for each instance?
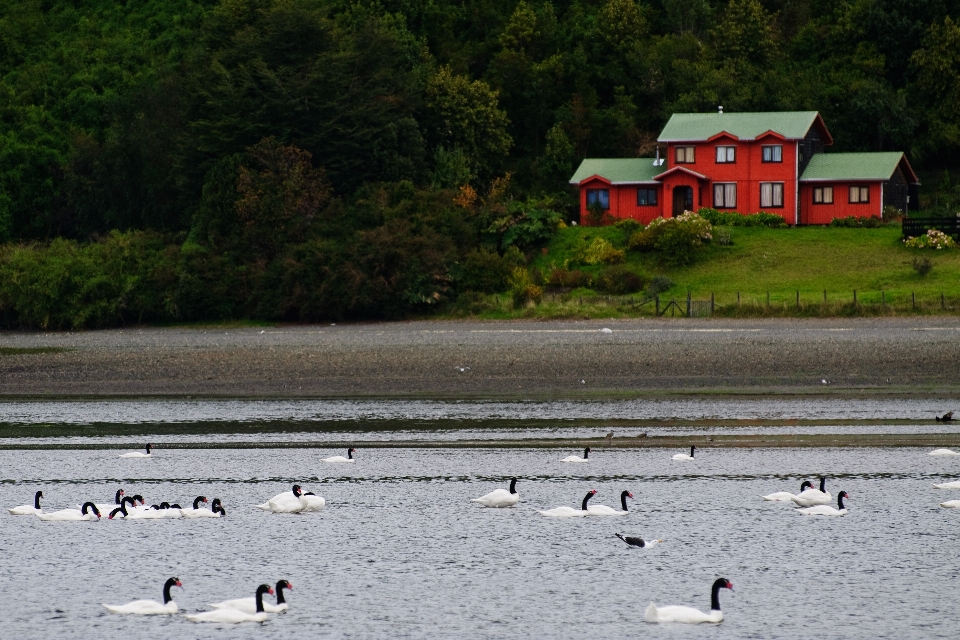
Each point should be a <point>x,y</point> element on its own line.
<point>618,170</point>
<point>875,166</point>
<point>700,127</point>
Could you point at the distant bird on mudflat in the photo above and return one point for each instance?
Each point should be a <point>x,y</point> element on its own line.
<point>947,417</point>
<point>609,437</point>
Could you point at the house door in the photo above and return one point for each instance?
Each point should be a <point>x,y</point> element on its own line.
<point>682,200</point>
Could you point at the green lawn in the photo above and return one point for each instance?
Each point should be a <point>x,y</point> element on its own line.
<point>781,262</point>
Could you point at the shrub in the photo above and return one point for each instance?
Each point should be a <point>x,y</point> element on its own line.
<point>572,279</point>
<point>676,239</point>
<point>852,222</point>
<point>891,213</point>
<point>722,237</point>
<point>484,271</point>
<point>522,288</point>
<point>629,227</point>
<point>659,284</point>
<point>933,239</point>
<point>619,280</point>
<point>600,251</point>
<point>725,218</point>
<point>923,266</point>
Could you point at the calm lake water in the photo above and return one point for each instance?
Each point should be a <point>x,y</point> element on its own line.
<point>400,552</point>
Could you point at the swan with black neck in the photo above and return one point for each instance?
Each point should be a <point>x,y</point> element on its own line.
<point>149,607</point>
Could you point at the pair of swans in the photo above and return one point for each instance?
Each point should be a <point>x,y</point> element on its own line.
<point>949,504</point>
<point>589,510</point>
<point>812,502</point>
<point>689,615</point>
<point>826,510</point>
<point>227,612</point>
<point>294,501</point>
<point>499,498</point>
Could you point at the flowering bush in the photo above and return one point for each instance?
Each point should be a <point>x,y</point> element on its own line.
<point>934,239</point>
<point>600,251</point>
<point>677,239</point>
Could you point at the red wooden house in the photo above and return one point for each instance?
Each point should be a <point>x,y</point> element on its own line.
<point>745,163</point>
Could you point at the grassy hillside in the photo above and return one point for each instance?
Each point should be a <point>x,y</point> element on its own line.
<point>808,260</point>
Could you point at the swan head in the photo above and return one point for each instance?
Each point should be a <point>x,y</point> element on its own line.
<point>723,583</point>
<point>297,491</point>
<point>138,498</point>
<point>264,588</point>
<point>626,494</point>
<point>283,584</point>
<point>806,485</point>
<point>351,450</point>
<point>39,494</point>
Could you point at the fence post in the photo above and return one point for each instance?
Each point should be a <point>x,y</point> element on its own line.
<point>738,298</point>
<point>688,304</point>
<point>798,299</point>
<point>883,298</point>
<point>942,303</point>
<point>768,298</point>
<point>580,301</point>
<point>913,294</point>
<point>854,297</point>
<point>824,296</point>
<point>657,299</point>
<point>712,303</point>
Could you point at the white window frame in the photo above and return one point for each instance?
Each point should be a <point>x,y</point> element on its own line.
<point>775,150</point>
<point>724,195</point>
<point>823,195</point>
<point>726,154</point>
<point>859,194</point>
<point>771,195</point>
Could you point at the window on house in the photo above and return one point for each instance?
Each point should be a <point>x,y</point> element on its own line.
<point>772,153</point>
<point>771,194</point>
<point>725,195</point>
<point>823,195</point>
<point>646,197</point>
<point>598,198</point>
<point>726,154</point>
<point>859,195</point>
<point>684,155</point>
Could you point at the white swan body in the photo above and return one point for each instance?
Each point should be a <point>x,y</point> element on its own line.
<point>814,497</point>
<point>682,457</point>
<point>249,605</point>
<point>86,513</point>
<point>138,454</point>
<point>689,615</point>
<point>286,502</point>
<point>786,496</point>
<point>585,458</point>
<point>826,510</point>
<point>28,509</point>
<point>570,512</point>
<point>227,616</point>
<point>951,504</point>
<point>500,497</point>
<point>312,502</point>
<point>348,458</point>
<point>147,514</point>
<point>149,607</point>
<point>943,452</point>
<point>604,510</point>
<point>216,510</point>
<point>948,485</point>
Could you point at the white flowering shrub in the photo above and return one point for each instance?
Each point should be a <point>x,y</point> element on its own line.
<point>677,239</point>
<point>933,239</point>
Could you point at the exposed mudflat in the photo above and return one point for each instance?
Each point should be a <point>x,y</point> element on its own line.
<point>448,359</point>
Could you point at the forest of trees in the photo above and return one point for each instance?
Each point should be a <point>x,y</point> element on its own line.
<point>311,159</point>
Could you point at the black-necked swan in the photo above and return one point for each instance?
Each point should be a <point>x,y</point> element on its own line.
<point>85,513</point>
<point>585,458</point>
<point>28,510</point>
<point>948,485</point>
<point>249,605</point>
<point>106,507</point>
<point>689,615</point>
<point>604,510</point>
<point>286,502</point>
<point>311,502</point>
<point>570,512</point>
<point>215,511</point>
<point>121,511</point>
<point>826,510</point>
<point>786,496</point>
<point>500,497</point>
<point>150,607</point>
<point>233,616</point>
<point>951,504</point>
<point>684,457</point>
<point>813,497</point>
<point>638,542</point>
<point>349,457</point>
<point>943,452</point>
<point>137,454</point>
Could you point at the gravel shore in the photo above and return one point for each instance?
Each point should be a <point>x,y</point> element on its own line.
<point>449,359</point>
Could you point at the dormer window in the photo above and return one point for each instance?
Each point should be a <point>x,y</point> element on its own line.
<point>726,155</point>
<point>684,155</point>
<point>773,153</point>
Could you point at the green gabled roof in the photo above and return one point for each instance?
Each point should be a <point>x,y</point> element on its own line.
<point>618,170</point>
<point>855,166</point>
<point>683,127</point>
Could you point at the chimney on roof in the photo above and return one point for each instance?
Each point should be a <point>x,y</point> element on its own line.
<point>658,162</point>
<point>721,108</point>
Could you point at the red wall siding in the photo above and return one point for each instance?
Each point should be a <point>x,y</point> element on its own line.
<point>748,172</point>
<point>623,202</point>
<point>841,208</point>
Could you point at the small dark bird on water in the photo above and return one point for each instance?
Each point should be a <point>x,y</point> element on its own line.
<point>638,542</point>
<point>947,417</point>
